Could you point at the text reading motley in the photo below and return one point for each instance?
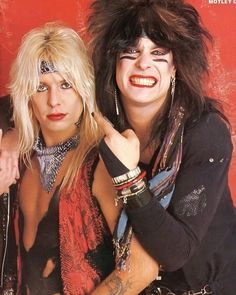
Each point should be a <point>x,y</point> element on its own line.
<point>222,1</point>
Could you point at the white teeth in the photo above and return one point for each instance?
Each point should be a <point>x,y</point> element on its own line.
<point>143,81</point>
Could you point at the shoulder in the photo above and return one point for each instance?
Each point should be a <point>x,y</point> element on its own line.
<point>210,123</point>
<point>207,137</point>
<point>5,101</point>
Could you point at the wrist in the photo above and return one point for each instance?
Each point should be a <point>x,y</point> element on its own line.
<point>139,200</point>
<point>126,177</point>
<point>132,189</point>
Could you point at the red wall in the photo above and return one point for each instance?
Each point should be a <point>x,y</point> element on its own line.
<point>19,16</point>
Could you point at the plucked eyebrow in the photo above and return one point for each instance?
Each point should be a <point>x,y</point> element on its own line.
<point>158,58</point>
<point>41,81</point>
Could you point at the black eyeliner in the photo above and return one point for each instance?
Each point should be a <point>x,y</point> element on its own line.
<point>128,57</point>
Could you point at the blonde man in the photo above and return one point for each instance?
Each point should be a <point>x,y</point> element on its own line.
<point>65,215</point>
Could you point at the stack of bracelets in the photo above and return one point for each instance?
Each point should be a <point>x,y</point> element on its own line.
<point>132,188</point>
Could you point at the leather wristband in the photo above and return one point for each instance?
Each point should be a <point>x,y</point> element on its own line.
<point>114,166</point>
<point>140,200</point>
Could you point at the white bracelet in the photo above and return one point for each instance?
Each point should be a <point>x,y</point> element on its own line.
<point>129,175</point>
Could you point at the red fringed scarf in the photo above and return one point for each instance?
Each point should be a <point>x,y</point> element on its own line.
<point>81,231</point>
<point>83,234</point>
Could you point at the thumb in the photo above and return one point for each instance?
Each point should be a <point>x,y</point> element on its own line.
<point>104,124</point>
<point>131,136</point>
<point>129,133</point>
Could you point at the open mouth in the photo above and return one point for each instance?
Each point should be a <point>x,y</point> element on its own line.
<point>143,81</point>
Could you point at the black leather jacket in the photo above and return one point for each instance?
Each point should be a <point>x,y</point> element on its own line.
<point>7,240</point>
<point>7,246</point>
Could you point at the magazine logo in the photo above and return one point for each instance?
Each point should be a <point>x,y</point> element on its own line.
<point>222,1</point>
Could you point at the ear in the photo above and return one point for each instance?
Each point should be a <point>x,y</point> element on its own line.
<point>173,71</point>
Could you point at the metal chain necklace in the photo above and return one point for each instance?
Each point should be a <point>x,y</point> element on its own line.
<point>51,158</point>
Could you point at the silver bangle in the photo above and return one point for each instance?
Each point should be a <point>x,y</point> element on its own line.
<point>129,175</point>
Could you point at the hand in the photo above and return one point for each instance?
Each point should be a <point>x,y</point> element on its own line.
<point>8,165</point>
<point>125,146</point>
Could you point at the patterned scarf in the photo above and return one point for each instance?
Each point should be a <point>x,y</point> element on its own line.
<point>51,158</point>
<point>161,184</point>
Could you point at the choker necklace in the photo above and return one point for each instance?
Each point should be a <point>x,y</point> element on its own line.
<point>51,158</point>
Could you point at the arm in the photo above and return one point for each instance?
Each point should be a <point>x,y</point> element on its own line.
<point>200,190</point>
<point>141,269</point>
<point>201,194</point>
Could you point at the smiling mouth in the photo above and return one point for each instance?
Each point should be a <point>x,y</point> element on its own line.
<point>140,81</point>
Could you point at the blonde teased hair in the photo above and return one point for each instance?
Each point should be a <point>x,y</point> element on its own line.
<point>65,49</point>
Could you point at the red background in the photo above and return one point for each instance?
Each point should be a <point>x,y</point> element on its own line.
<point>19,16</point>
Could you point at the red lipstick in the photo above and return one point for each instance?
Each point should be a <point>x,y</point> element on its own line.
<point>56,117</point>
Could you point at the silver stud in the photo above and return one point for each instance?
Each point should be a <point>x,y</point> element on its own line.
<point>211,160</point>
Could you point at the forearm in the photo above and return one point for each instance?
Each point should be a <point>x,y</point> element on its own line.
<point>141,271</point>
<point>114,284</point>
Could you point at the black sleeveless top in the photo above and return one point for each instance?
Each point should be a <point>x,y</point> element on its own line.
<point>44,249</point>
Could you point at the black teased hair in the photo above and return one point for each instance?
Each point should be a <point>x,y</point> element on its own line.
<point>115,25</point>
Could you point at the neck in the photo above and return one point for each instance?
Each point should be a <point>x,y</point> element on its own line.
<point>141,119</point>
<point>56,137</point>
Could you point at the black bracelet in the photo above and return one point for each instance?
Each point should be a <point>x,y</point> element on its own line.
<point>114,166</point>
<point>140,200</point>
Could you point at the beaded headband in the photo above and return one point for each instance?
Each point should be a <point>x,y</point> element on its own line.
<point>47,67</point>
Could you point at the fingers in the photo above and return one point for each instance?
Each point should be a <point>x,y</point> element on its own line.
<point>10,142</point>
<point>121,149</point>
<point>104,124</point>
<point>8,171</point>
<point>110,131</point>
<point>0,138</point>
<point>131,136</point>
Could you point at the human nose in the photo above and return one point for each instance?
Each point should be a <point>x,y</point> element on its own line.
<point>143,61</point>
<point>53,97</point>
